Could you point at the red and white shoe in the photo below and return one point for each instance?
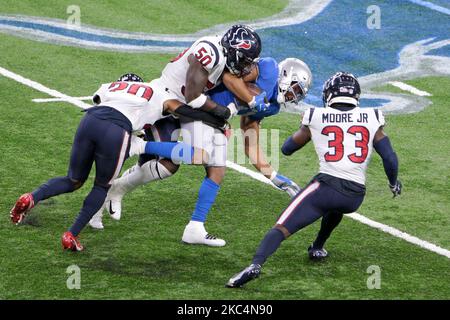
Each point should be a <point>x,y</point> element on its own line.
<point>70,242</point>
<point>24,204</point>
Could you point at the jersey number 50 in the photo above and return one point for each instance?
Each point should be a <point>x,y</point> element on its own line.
<point>338,146</point>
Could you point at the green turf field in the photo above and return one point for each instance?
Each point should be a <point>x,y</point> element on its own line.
<point>142,257</point>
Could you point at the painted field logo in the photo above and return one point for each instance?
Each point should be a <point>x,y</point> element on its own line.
<point>401,52</point>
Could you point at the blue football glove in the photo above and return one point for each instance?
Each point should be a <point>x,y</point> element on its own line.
<point>286,184</point>
<point>396,189</point>
<point>259,103</point>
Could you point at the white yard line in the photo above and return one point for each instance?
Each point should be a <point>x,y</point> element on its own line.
<point>409,88</point>
<point>255,175</point>
<point>431,6</point>
<point>37,86</point>
<point>400,234</point>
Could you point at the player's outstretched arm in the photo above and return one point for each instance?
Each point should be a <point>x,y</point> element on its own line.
<point>383,147</point>
<point>185,112</point>
<point>255,153</point>
<point>295,142</point>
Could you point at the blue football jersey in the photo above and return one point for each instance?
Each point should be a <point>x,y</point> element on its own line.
<point>267,81</point>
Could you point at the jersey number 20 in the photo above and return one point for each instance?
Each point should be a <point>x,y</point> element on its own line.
<point>338,146</point>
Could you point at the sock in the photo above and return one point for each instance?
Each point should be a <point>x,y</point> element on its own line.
<point>91,205</point>
<point>140,175</point>
<point>329,222</point>
<point>268,246</point>
<point>206,197</point>
<point>53,187</point>
<point>177,151</point>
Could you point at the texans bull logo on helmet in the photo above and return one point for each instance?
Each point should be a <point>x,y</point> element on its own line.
<point>238,42</point>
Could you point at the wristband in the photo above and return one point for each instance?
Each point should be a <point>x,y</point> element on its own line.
<point>198,102</point>
<point>273,175</point>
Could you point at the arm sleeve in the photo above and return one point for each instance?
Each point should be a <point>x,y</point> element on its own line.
<point>390,160</point>
<point>289,146</point>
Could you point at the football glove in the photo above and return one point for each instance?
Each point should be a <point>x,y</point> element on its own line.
<point>396,189</point>
<point>286,184</point>
<point>259,103</point>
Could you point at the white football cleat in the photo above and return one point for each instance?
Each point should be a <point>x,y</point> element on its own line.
<point>195,233</point>
<point>96,220</point>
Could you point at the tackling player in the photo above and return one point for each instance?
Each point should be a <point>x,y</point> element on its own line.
<point>186,78</point>
<point>286,85</point>
<point>344,136</point>
<point>103,136</point>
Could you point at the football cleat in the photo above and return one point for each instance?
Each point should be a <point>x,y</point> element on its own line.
<point>96,221</point>
<point>238,280</point>
<point>317,254</point>
<point>195,233</point>
<point>24,204</point>
<point>70,242</point>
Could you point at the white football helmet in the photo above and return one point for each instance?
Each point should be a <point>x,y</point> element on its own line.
<point>294,80</point>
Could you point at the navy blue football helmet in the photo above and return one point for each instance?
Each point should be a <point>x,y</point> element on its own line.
<point>242,47</point>
<point>130,77</point>
<point>342,88</point>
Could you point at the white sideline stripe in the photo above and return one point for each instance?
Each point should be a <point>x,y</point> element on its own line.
<point>400,234</point>
<point>356,216</point>
<point>431,6</point>
<point>61,99</point>
<point>409,88</point>
<point>42,88</point>
<point>255,175</point>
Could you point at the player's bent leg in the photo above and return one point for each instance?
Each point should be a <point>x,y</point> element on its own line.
<point>136,176</point>
<point>340,205</point>
<point>51,188</point>
<point>330,221</point>
<point>195,232</point>
<point>93,202</point>
<point>301,212</point>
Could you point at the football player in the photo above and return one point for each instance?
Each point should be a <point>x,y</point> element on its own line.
<point>103,136</point>
<point>344,136</point>
<point>187,77</point>
<point>286,85</point>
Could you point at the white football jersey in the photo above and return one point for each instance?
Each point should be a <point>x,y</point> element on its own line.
<point>343,139</point>
<point>209,52</point>
<point>138,101</point>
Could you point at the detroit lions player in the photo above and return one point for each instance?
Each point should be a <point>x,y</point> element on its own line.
<point>187,77</point>
<point>344,136</point>
<point>103,136</point>
<point>285,84</point>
